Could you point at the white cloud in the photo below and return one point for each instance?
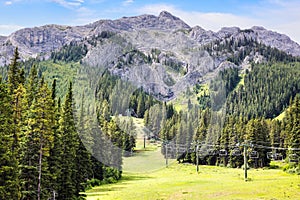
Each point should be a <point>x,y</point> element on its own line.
<point>8,3</point>
<point>281,16</point>
<point>127,2</point>
<point>69,4</point>
<point>96,1</point>
<point>8,29</point>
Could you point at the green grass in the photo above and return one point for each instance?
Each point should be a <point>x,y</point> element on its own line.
<point>181,102</point>
<point>281,116</point>
<point>145,161</point>
<point>139,162</point>
<point>180,181</point>
<point>242,80</point>
<point>145,176</point>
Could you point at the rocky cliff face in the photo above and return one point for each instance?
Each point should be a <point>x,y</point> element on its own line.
<point>37,41</point>
<point>161,53</point>
<point>41,40</point>
<point>277,40</point>
<point>260,34</point>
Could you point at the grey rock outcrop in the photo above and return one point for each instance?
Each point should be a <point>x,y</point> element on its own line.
<point>33,42</point>
<point>161,53</point>
<point>277,40</point>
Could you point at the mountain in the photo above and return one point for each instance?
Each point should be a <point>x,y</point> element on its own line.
<point>42,40</point>
<point>161,53</point>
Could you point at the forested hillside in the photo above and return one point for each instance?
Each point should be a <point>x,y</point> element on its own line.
<point>51,147</point>
<point>41,153</point>
<point>267,90</point>
<point>247,115</point>
<point>68,117</point>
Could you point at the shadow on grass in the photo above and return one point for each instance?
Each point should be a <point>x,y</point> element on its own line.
<point>101,190</point>
<point>104,189</point>
<point>97,194</point>
<point>149,148</point>
<point>133,177</point>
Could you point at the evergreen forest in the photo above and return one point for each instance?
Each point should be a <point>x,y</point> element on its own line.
<point>51,147</point>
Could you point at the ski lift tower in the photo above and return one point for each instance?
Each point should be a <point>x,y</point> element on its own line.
<point>246,144</point>
<point>198,145</point>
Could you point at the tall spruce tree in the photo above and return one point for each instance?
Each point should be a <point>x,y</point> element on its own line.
<point>294,126</point>
<point>83,156</point>
<point>38,142</point>
<point>257,133</point>
<point>32,85</point>
<point>54,159</point>
<point>141,106</point>
<point>14,73</point>
<point>15,90</point>
<point>67,184</point>
<point>9,182</point>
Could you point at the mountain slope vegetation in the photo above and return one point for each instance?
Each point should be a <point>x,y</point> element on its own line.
<point>69,95</point>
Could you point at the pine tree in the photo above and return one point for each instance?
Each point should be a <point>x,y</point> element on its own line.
<point>294,124</point>
<point>263,138</point>
<point>19,105</point>
<point>146,118</point>
<point>275,130</point>
<point>32,85</point>
<point>257,133</point>
<point>9,183</point>
<point>115,135</point>
<point>16,91</point>
<point>38,142</point>
<point>56,150</point>
<point>20,109</point>
<point>67,183</point>
<point>104,112</point>
<point>83,167</point>
<point>224,141</point>
<point>141,106</point>
<point>202,129</point>
<point>99,152</point>
<point>22,77</point>
<point>14,78</point>
<point>83,157</point>
<point>235,154</point>
<point>53,91</point>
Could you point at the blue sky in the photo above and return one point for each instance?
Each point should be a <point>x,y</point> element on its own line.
<point>279,15</point>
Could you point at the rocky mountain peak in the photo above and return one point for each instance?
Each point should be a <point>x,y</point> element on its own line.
<point>277,40</point>
<point>165,21</point>
<point>165,14</point>
<point>228,31</point>
<point>44,39</point>
<point>199,28</point>
<point>171,22</point>
<point>258,28</point>
<point>202,36</point>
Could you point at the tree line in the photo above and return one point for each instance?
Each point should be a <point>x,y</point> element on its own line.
<point>237,49</point>
<point>41,153</point>
<point>267,90</point>
<point>220,134</point>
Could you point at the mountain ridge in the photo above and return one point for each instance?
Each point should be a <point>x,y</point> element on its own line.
<point>160,53</point>
<point>43,39</point>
